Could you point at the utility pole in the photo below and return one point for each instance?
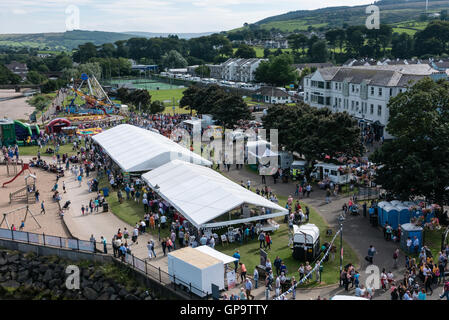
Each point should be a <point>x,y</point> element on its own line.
<point>341,219</point>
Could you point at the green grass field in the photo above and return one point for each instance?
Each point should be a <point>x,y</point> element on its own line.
<point>131,212</point>
<point>32,150</point>
<point>259,51</point>
<point>291,25</point>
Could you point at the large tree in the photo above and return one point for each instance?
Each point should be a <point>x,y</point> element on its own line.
<point>314,133</point>
<point>174,59</point>
<point>277,71</point>
<point>229,110</point>
<point>245,51</point>
<point>416,162</point>
<point>225,107</point>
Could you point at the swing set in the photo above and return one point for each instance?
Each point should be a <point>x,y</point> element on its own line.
<point>28,211</point>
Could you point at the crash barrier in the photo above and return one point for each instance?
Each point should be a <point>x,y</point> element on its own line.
<point>181,289</point>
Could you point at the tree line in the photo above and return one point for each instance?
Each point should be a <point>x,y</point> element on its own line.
<point>227,108</point>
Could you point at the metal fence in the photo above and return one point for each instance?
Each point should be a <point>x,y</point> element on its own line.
<point>366,193</point>
<point>155,273</point>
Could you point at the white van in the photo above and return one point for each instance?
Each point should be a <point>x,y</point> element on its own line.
<point>332,172</point>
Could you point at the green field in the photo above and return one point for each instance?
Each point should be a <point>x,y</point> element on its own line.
<point>291,25</point>
<point>32,150</point>
<point>259,51</point>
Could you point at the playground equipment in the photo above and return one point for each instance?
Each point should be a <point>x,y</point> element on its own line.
<point>27,192</point>
<point>7,132</point>
<point>56,125</point>
<point>25,166</point>
<point>11,167</point>
<point>28,211</point>
<point>94,95</point>
<point>23,131</point>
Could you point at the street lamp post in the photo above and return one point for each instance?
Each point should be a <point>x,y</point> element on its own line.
<point>341,219</point>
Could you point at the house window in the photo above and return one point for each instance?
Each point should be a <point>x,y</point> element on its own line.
<point>352,105</point>
<point>372,91</point>
<point>372,109</point>
<point>379,110</point>
<point>380,92</point>
<point>391,92</point>
<point>352,88</point>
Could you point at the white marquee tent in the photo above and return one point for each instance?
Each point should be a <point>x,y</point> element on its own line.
<point>135,149</point>
<point>201,194</point>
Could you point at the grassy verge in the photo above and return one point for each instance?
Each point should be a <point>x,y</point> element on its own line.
<point>250,256</point>
<point>32,150</point>
<point>129,211</point>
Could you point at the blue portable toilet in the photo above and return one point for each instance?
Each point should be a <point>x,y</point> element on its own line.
<point>395,202</point>
<point>404,214</point>
<point>430,215</point>
<point>381,211</point>
<point>411,231</point>
<point>390,215</point>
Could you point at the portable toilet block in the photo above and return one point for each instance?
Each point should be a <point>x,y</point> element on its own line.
<point>411,231</point>
<point>391,216</point>
<point>380,211</point>
<point>404,214</point>
<point>395,202</point>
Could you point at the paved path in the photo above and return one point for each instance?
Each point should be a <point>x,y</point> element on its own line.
<point>103,224</point>
<point>357,231</point>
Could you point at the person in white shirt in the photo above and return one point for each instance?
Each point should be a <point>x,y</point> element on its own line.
<point>212,242</point>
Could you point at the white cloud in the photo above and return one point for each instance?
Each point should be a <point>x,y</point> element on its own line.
<point>152,15</point>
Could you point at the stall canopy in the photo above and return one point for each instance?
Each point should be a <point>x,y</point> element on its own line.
<point>135,149</point>
<point>201,194</point>
<point>216,254</point>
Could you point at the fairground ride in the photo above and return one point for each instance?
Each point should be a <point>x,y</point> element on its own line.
<point>91,91</point>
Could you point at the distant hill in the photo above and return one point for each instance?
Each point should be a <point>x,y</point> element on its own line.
<point>180,35</point>
<point>71,39</point>
<point>393,12</point>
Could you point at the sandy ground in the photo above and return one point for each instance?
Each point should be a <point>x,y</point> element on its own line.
<point>50,222</point>
<point>9,93</point>
<point>14,109</point>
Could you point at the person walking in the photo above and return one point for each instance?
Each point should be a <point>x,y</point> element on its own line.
<point>22,225</point>
<point>395,258</point>
<point>42,207</point>
<point>262,240</point>
<point>36,195</point>
<point>248,287</point>
<point>371,252</point>
<point>268,240</point>
<point>256,277</point>
<point>135,235</point>
<point>103,240</point>
<point>445,291</point>
<point>242,272</point>
<point>164,246</point>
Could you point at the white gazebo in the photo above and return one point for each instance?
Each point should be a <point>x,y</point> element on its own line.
<point>135,149</point>
<point>201,194</point>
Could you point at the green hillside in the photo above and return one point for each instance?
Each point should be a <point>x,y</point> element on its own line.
<point>395,12</point>
<point>61,40</point>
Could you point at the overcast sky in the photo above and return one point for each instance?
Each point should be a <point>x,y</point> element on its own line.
<point>32,16</point>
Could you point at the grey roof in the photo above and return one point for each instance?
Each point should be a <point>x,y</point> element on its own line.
<point>313,65</point>
<point>384,75</point>
<point>271,91</point>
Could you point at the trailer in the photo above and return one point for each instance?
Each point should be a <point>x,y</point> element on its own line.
<point>306,242</point>
<point>195,270</point>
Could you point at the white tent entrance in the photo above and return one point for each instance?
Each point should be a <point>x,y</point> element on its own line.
<point>205,197</point>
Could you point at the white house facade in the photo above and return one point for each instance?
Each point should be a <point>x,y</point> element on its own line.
<point>238,69</point>
<point>363,92</point>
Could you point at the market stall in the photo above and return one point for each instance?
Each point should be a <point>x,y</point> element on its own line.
<point>195,270</point>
